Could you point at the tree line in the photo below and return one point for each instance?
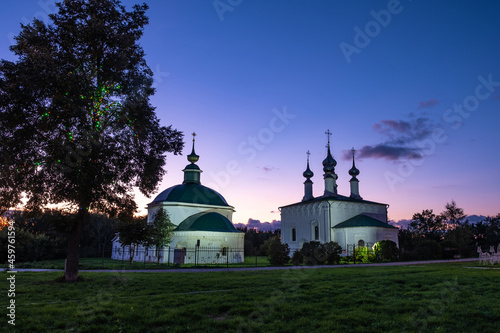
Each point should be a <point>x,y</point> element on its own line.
<point>44,236</point>
<point>447,235</point>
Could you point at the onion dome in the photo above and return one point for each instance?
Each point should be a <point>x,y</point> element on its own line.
<point>354,171</point>
<point>308,173</point>
<point>193,158</point>
<point>329,162</point>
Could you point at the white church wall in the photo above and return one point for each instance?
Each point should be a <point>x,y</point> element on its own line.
<point>303,218</point>
<point>213,243</point>
<point>214,247</point>
<point>178,212</point>
<point>369,235</point>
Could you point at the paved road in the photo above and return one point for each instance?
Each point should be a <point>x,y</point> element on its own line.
<point>235,269</point>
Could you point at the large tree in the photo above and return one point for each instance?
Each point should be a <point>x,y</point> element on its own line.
<point>76,124</point>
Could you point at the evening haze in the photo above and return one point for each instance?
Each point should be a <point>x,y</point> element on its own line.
<point>413,86</point>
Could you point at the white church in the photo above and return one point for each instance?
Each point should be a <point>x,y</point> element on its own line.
<point>204,232</point>
<point>348,220</point>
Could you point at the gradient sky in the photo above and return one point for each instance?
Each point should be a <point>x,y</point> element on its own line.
<point>414,86</point>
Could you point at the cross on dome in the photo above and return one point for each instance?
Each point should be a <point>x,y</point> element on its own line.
<point>328,133</point>
<point>193,158</point>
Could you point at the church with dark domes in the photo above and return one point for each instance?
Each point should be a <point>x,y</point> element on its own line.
<point>347,220</point>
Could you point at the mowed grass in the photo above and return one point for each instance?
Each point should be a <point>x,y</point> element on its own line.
<point>108,263</point>
<point>425,298</point>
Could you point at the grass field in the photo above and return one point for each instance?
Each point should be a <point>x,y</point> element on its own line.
<point>426,298</point>
<point>108,263</point>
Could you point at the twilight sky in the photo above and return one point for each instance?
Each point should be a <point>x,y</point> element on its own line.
<point>413,86</point>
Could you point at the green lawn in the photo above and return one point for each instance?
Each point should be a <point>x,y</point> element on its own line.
<point>427,298</point>
<point>108,263</point>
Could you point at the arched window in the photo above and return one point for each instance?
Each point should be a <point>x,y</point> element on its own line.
<point>361,242</point>
<point>294,235</point>
<point>316,232</point>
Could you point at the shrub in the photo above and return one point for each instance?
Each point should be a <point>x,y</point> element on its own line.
<point>364,254</point>
<point>387,250</point>
<point>315,253</point>
<point>277,253</point>
<point>297,258</point>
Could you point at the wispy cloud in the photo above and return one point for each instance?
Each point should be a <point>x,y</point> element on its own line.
<point>428,104</point>
<point>267,168</point>
<point>400,139</point>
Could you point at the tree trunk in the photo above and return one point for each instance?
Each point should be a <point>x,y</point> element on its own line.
<point>73,253</point>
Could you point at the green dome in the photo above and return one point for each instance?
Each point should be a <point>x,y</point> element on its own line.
<point>207,222</point>
<point>191,193</point>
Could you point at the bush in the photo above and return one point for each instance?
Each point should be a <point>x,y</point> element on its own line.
<point>277,253</point>
<point>364,254</point>
<point>315,253</point>
<point>333,251</point>
<point>386,250</point>
<point>297,258</point>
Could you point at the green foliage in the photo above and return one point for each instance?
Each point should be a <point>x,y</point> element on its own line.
<point>386,250</point>
<point>76,124</point>
<point>161,231</point>
<point>364,254</point>
<point>297,258</point>
<point>315,253</point>
<point>277,252</point>
<point>254,240</point>
<point>447,235</point>
<point>427,225</point>
<point>132,231</point>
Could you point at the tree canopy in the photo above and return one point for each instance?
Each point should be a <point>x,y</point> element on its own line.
<point>76,124</point>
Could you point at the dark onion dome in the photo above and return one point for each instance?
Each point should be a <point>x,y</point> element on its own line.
<point>191,193</point>
<point>193,158</point>
<point>329,162</point>
<point>308,173</point>
<point>354,171</point>
<point>204,221</point>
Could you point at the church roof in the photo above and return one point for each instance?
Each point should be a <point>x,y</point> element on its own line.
<point>204,221</point>
<point>191,193</point>
<point>362,220</point>
<point>333,198</point>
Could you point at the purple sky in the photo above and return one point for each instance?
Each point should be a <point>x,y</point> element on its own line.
<point>414,86</point>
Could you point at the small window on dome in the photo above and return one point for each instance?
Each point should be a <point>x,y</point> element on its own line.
<point>316,232</point>
<point>294,235</point>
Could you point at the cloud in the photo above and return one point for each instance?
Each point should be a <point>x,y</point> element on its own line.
<point>389,152</point>
<point>428,104</point>
<point>259,226</point>
<point>267,168</point>
<point>401,139</point>
<point>401,224</point>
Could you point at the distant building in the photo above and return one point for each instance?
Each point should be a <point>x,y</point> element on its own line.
<point>204,232</point>
<point>347,220</point>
